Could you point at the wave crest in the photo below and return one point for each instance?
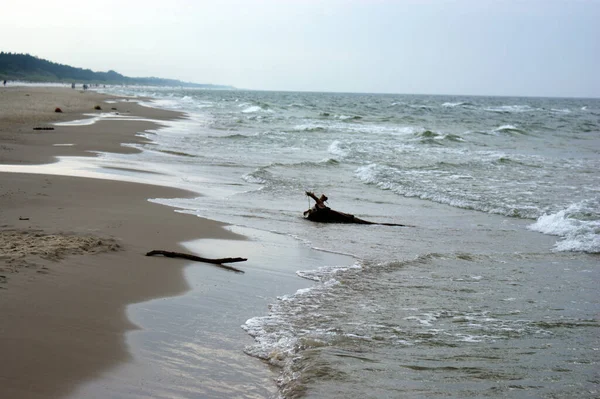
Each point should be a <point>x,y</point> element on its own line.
<point>510,129</point>
<point>578,225</point>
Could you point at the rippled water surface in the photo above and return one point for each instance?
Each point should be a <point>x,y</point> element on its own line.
<point>491,291</point>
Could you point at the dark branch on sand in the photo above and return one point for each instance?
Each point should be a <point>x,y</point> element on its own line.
<point>216,262</point>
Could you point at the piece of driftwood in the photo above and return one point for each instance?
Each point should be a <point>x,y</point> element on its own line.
<point>323,214</point>
<point>216,262</point>
<point>43,128</point>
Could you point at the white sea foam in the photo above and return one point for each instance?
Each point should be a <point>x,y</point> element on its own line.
<point>257,176</point>
<point>337,148</point>
<point>309,127</point>
<point>505,127</point>
<point>175,104</point>
<point>578,225</point>
<point>80,122</point>
<point>93,118</point>
<point>562,111</point>
<point>511,108</point>
<point>324,272</point>
<point>368,173</point>
<point>252,109</point>
<point>452,105</point>
<point>276,337</point>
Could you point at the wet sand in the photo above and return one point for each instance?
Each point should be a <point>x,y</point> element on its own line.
<point>72,249</point>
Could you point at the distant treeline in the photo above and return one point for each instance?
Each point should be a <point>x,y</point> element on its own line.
<point>25,67</point>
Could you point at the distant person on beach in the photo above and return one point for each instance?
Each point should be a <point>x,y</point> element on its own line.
<point>4,82</point>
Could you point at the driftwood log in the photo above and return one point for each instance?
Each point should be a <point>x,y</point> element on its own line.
<point>216,262</point>
<point>323,214</point>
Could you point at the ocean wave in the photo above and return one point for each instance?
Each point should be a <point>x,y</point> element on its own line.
<point>309,128</point>
<point>505,160</point>
<point>420,107</point>
<point>432,137</point>
<point>374,129</point>
<point>375,174</point>
<point>325,273</point>
<point>314,164</point>
<point>511,109</point>
<point>510,129</point>
<point>561,111</point>
<point>275,338</point>
<point>258,176</point>
<point>338,148</point>
<point>294,325</point>
<point>323,162</point>
<point>236,136</point>
<point>456,104</point>
<point>251,109</point>
<point>578,225</point>
<point>263,175</point>
<point>427,134</point>
<point>587,127</point>
<point>348,117</point>
<point>442,186</point>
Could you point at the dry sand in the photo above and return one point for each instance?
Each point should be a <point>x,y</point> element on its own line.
<point>71,249</point>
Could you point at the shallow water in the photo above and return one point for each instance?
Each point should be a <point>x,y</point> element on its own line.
<point>192,346</point>
<point>459,325</point>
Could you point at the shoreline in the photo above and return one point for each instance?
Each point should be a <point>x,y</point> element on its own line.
<point>24,108</point>
<point>72,247</point>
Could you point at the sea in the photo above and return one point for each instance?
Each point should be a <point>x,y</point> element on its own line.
<point>491,287</point>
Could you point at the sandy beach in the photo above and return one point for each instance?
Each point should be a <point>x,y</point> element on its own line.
<point>71,249</point>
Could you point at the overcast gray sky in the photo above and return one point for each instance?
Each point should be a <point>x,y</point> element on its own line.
<point>486,47</point>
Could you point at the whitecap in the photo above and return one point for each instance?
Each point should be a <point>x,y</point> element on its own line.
<point>368,173</point>
<point>252,109</point>
<point>337,148</point>
<point>578,225</point>
<point>510,109</point>
<point>249,178</point>
<point>505,127</point>
<point>452,105</point>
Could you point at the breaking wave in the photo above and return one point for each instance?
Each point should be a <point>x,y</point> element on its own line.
<point>510,129</point>
<point>578,226</point>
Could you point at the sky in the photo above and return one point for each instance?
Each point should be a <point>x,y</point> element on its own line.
<point>471,47</point>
